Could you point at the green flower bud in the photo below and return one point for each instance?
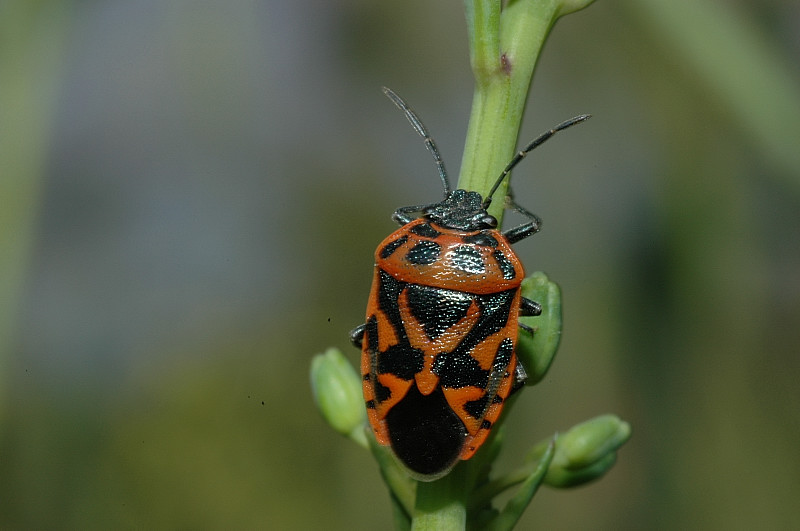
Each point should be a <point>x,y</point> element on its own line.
<point>536,351</point>
<point>570,6</point>
<point>337,393</point>
<point>590,441</point>
<point>561,478</point>
<point>587,451</point>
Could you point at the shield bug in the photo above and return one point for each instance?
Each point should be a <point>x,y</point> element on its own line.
<point>438,345</point>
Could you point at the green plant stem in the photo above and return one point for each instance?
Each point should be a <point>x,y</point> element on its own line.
<point>441,504</point>
<point>32,36</point>
<point>504,48</point>
<point>503,64</point>
<point>513,510</point>
<point>505,44</point>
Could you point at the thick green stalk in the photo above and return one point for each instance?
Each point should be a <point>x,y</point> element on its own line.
<point>441,505</point>
<point>505,46</point>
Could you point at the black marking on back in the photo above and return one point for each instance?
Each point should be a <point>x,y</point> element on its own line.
<point>401,359</point>
<point>425,230</point>
<point>505,265</point>
<point>477,408</point>
<point>424,253</point>
<point>425,433</point>
<point>437,309</point>
<point>482,238</point>
<point>504,353</point>
<point>371,333</point>
<point>458,368</point>
<point>468,259</point>
<point>389,289</point>
<point>392,246</point>
<point>382,392</point>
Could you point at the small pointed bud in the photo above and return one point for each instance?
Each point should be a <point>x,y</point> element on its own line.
<point>536,351</point>
<point>337,393</point>
<point>587,451</point>
<point>590,441</point>
<point>570,6</point>
<point>562,478</point>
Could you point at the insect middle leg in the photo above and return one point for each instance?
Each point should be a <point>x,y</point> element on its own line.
<point>357,335</point>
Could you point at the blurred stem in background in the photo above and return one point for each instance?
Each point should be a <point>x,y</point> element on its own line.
<point>737,64</point>
<point>722,73</point>
<point>31,45</point>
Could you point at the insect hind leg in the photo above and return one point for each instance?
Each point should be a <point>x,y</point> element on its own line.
<point>520,377</point>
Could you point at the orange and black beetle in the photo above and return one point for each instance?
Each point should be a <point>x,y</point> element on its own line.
<point>438,346</point>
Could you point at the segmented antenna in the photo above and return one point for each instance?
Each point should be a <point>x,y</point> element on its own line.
<point>418,126</point>
<point>539,140</point>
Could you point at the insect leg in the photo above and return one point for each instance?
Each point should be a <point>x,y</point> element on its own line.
<point>529,308</point>
<point>403,215</point>
<point>523,231</point>
<point>357,335</point>
<point>520,377</point>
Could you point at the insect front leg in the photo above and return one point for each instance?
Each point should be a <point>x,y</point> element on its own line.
<point>357,335</point>
<point>403,215</point>
<point>523,231</point>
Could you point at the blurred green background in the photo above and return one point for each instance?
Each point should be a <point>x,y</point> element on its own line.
<point>192,192</point>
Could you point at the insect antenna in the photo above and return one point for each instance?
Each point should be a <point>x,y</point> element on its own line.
<point>539,140</point>
<point>419,127</point>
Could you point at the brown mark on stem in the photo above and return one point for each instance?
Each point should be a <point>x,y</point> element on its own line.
<point>506,64</point>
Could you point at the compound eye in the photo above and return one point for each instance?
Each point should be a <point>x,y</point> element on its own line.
<point>490,221</point>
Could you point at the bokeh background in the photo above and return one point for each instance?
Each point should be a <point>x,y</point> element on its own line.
<point>191,193</point>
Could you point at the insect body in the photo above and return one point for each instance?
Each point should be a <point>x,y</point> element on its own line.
<point>438,346</point>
